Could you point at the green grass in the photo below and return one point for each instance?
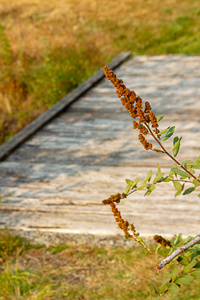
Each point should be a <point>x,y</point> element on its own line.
<point>81,272</point>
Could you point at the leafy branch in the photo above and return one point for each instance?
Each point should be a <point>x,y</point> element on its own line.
<point>180,174</point>
<point>169,258</point>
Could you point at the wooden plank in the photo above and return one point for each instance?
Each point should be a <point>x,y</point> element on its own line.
<point>101,223</point>
<point>61,174</point>
<point>39,122</point>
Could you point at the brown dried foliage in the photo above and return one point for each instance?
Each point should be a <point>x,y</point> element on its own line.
<point>134,106</point>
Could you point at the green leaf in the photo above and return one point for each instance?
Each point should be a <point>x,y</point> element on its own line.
<point>169,178</point>
<point>128,188</point>
<point>149,174</point>
<point>150,189</point>
<point>195,166</point>
<point>178,193</point>
<point>199,195</point>
<point>158,167</point>
<point>169,133</point>
<point>157,150</point>
<point>189,191</point>
<point>175,140</point>
<point>177,185</point>
<point>190,266</point>
<point>178,239</point>
<point>157,248</point>
<point>173,289</point>
<point>162,179</point>
<point>174,273</point>
<point>189,239</point>
<point>154,286</point>
<point>196,182</point>
<point>184,279</point>
<point>185,162</point>
<point>176,147</point>
<point>139,239</point>
<point>135,182</point>
<point>159,118</point>
<point>164,285</point>
<point>142,186</point>
<point>197,265</point>
<point>196,273</point>
<point>164,131</point>
<point>128,181</point>
<point>183,261</point>
<point>196,163</point>
<point>180,172</point>
<point>158,177</point>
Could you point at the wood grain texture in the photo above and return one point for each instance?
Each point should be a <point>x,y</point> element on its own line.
<point>53,184</point>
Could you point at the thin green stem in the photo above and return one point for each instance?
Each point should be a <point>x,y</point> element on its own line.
<point>148,249</point>
<point>166,152</point>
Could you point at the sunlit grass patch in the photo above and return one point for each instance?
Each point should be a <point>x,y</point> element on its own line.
<point>83,272</point>
<point>12,245</point>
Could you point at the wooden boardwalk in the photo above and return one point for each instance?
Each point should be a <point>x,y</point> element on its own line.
<point>52,185</point>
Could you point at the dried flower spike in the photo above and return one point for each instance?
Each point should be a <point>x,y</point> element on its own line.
<point>134,106</point>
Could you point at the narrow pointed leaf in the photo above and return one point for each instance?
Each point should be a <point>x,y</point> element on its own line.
<point>178,239</point>
<point>129,181</point>
<point>177,185</point>
<point>159,118</point>
<point>169,178</point>
<point>169,133</point>
<point>184,279</point>
<point>190,266</point>
<point>158,177</point>
<point>189,191</point>
<point>196,274</point>
<point>183,261</point>
<point>196,163</point>
<point>150,189</point>
<point>134,184</point>
<point>176,145</point>
<point>157,150</point>
<point>174,273</point>
<point>142,186</point>
<point>180,172</point>
<point>149,174</point>
<point>178,193</point>
<point>186,162</point>
<point>173,289</point>
<point>128,188</point>
<point>158,167</point>
<point>196,182</point>
<point>154,286</point>
<point>164,285</point>
<point>164,131</point>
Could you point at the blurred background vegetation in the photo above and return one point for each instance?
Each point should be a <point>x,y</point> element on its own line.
<point>47,48</point>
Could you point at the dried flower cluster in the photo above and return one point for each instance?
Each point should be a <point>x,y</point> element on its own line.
<point>114,198</point>
<point>160,240</point>
<point>124,225</point>
<point>134,106</point>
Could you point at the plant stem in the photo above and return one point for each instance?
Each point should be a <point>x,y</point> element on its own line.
<point>169,258</point>
<point>166,152</point>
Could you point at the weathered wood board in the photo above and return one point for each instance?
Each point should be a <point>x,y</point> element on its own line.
<point>53,184</point>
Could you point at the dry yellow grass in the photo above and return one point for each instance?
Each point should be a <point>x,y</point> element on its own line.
<point>32,24</point>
